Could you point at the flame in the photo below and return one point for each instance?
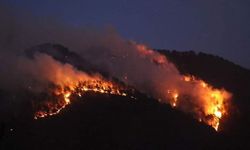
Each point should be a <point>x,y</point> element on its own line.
<point>70,82</point>
<point>208,104</point>
<point>63,94</point>
<point>187,93</point>
<point>174,97</point>
<point>214,101</point>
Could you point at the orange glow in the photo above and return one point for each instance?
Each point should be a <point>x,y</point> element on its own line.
<point>155,57</point>
<point>63,94</point>
<point>187,93</point>
<point>174,95</point>
<point>213,101</point>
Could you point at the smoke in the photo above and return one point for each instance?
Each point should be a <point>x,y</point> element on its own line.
<point>134,64</point>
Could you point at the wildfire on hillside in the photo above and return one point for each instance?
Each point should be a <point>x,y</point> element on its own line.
<point>213,102</point>
<point>207,104</point>
<point>183,92</point>
<point>62,95</point>
<point>67,82</point>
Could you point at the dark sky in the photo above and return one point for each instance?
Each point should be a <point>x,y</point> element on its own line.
<point>220,27</point>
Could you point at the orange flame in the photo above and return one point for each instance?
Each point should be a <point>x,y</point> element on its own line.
<point>209,104</point>
<point>97,85</point>
<point>67,82</point>
<point>213,101</point>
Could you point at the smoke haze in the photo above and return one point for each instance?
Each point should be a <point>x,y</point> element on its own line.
<point>134,64</point>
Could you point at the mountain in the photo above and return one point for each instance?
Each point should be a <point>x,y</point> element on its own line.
<point>97,121</point>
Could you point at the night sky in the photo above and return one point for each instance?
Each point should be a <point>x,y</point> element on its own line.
<point>220,27</point>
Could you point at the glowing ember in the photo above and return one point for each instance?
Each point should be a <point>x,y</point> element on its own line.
<point>174,97</point>
<point>63,95</point>
<point>67,82</point>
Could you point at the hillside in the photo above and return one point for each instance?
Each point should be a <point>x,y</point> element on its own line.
<point>224,74</point>
<point>97,121</point>
<point>111,122</point>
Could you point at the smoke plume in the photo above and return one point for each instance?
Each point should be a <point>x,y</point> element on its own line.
<point>134,64</point>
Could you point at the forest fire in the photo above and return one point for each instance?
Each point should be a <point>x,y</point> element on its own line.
<point>188,93</point>
<point>213,101</point>
<point>62,95</point>
<point>67,82</point>
<point>185,93</point>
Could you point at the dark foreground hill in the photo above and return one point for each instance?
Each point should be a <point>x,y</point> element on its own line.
<point>113,122</point>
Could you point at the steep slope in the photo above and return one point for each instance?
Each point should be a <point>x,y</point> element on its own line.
<point>97,121</point>
<point>220,73</point>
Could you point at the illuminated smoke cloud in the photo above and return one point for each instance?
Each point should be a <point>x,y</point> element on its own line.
<point>134,64</point>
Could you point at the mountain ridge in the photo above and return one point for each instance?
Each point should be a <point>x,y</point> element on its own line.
<point>144,120</point>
